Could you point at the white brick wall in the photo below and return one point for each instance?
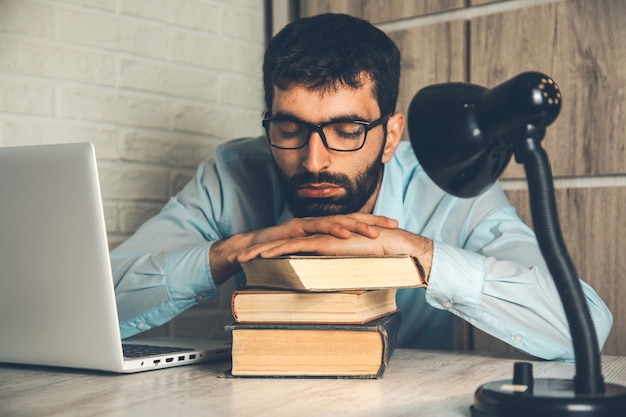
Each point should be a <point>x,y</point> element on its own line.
<point>154,84</point>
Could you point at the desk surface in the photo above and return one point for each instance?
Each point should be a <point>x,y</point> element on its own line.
<point>423,383</point>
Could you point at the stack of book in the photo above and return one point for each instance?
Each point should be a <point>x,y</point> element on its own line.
<point>318,316</point>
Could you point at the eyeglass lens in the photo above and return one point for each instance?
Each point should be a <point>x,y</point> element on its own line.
<point>289,134</point>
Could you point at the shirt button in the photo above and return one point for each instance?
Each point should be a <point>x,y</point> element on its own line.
<point>447,305</point>
<point>198,298</point>
<point>518,339</point>
<point>141,325</point>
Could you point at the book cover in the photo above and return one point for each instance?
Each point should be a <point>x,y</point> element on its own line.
<point>281,306</point>
<point>314,350</point>
<point>333,273</point>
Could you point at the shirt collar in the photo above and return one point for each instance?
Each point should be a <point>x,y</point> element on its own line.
<point>389,201</point>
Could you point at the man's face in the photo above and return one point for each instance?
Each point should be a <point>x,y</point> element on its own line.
<point>318,181</point>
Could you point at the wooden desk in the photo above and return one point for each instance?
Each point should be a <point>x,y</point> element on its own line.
<point>423,383</point>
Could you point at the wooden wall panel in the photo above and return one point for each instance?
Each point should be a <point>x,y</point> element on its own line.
<point>593,230</point>
<point>430,54</point>
<point>482,2</point>
<point>377,11</point>
<point>582,45</point>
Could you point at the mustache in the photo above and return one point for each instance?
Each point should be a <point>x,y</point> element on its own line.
<point>302,178</point>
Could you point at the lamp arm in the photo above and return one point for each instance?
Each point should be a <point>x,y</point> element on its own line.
<point>588,378</point>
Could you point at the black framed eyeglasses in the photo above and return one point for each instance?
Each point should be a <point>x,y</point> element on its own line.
<point>285,132</point>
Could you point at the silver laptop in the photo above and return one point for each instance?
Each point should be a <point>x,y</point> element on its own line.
<point>57,301</point>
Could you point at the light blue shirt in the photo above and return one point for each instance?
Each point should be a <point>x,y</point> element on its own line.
<point>487,267</point>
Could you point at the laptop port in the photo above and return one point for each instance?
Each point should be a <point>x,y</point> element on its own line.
<point>192,356</point>
<point>168,360</point>
<point>181,358</point>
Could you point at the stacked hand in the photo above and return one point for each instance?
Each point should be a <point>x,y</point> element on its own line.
<point>351,234</point>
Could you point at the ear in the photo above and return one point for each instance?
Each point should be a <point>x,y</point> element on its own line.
<point>395,127</point>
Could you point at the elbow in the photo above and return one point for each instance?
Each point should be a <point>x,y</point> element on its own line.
<point>602,320</point>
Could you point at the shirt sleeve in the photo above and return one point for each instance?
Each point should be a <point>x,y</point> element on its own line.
<point>497,280</point>
<point>163,269</point>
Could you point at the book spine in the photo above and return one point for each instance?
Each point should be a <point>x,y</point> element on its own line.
<point>388,328</point>
<point>232,306</point>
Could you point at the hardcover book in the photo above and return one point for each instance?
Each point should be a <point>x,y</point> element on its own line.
<point>333,273</point>
<point>276,306</point>
<point>314,350</point>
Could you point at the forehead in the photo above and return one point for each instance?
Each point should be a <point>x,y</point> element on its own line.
<point>319,105</point>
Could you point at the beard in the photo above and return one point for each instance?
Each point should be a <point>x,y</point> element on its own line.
<point>358,191</point>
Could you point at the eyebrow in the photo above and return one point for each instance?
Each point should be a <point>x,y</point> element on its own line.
<point>338,118</point>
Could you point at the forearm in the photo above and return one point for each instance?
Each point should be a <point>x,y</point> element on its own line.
<point>513,302</point>
<point>162,270</point>
<point>152,288</point>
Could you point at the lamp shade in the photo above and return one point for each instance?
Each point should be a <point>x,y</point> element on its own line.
<point>464,134</point>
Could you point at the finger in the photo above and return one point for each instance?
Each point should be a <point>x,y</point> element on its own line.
<point>316,244</point>
<point>330,225</point>
<point>256,251</point>
<point>341,226</point>
<point>375,220</point>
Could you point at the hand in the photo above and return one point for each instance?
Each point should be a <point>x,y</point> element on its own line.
<point>388,242</point>
<point>339,226</point>
<point>223,254</point>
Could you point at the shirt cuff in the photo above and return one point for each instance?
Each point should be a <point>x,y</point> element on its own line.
<point>189,276</point>
<point>456,280</point>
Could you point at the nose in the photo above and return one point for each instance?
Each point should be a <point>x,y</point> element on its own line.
<point>317,155</point>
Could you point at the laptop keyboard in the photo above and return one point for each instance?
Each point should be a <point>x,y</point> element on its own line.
<point>137,351</point>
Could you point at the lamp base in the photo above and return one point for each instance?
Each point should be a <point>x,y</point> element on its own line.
<point>546,397</point>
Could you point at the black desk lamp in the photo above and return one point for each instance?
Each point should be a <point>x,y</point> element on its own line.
<point>464,136</point>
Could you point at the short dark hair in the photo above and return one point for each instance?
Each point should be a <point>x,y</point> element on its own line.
<point>329,50</point>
